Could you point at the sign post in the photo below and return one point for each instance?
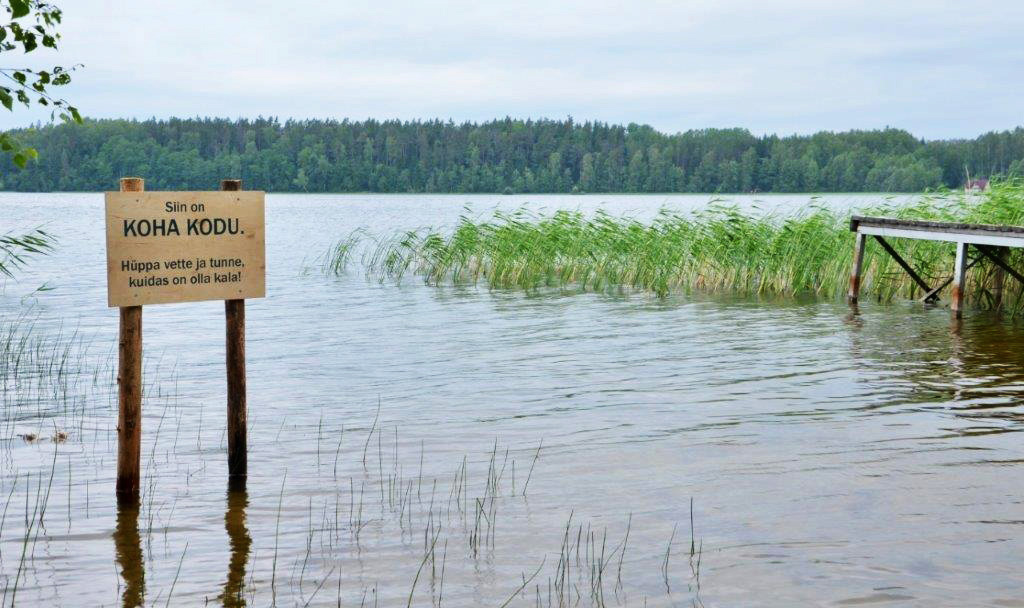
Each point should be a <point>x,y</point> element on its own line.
<point>234,314</point>
<point>129,387</point>
<point>165,247</point>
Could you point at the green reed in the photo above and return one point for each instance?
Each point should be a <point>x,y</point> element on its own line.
<point>718,249</point>
<point>16,249</point>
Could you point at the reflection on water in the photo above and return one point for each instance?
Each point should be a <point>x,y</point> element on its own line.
<point>238,535</point>
<point>128,552</point>
<point>969,365</point>
<point>834,456</point>
<point>132,565</point>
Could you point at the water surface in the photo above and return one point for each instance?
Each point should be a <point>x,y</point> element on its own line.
<point>832,458</point>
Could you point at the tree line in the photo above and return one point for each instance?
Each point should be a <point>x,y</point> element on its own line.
<point>506,156</point>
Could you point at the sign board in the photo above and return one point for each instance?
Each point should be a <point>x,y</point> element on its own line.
<point>167,247</point>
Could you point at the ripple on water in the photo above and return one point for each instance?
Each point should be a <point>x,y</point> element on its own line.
<point>831,459</point>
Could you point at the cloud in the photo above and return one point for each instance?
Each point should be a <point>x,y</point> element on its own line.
<point>768,66</point>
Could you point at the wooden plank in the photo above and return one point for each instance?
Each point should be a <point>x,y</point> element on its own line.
<point>858,263</point>
<point>129,390</point>
<point>167,247</point>
<point>974,239</point>
<point>234,313</point>
<point>933,294</point>
<point>859,221</point>
<point>899,260</point>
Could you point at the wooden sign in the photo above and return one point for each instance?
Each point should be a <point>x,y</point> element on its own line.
<point>167,247</point>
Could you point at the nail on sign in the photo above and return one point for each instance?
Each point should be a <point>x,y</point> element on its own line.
<point>165,247</point>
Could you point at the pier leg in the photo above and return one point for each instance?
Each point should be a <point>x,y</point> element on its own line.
<point>858,264</point>
<point>234,312</point>
<point>959,280</point>
<point>129,389</point>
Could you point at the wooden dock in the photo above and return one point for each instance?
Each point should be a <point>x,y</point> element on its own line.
<point>985,241</point>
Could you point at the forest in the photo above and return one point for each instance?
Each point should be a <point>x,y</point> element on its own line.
<point>503,156</point>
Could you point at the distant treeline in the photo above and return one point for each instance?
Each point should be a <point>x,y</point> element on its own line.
<point>499,156</point>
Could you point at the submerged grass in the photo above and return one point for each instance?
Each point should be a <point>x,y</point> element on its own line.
<point>47,373</point>
<point>720,248</point>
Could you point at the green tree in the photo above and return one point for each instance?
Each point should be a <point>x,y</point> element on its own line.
<point>32,24</point>
<point>636,174</point>
<point>748,170</point>
<point>497,156</point>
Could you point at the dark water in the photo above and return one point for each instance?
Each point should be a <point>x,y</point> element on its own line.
<point>831,458</point>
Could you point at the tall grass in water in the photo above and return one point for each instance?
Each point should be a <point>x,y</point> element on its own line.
<point>15,249</point>
<point>43,368</point>
<point>720,248</point>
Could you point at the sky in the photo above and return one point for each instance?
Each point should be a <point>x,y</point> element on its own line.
<point>939,69</point>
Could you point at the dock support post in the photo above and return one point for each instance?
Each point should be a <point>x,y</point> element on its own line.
<point>129,389</point>
<point>234,312</point>
<point>858,264</point>
<point>959,279</point>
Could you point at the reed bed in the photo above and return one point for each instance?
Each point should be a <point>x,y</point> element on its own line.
<point>721,248</point>
<point>360,522</point>
<point>49,374</point>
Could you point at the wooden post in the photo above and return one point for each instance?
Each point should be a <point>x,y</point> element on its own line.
<point>234,311</point>
<point>959,279</point>
<point>129,389</point>
<point>858,264</point>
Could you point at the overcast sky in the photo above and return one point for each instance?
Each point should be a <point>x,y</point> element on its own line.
<point>939,69</point>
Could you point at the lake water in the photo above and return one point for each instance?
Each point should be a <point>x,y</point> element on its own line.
<point>418,445</point>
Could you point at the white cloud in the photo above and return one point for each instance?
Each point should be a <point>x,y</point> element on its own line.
<point>769,66</point>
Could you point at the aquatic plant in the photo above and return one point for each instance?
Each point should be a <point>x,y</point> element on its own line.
<point>15,249</point>
<point>337,259</point>
<point>439,530</point>
<point>720,248</point>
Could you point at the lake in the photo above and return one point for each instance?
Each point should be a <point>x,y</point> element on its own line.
<point>460,446</point>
